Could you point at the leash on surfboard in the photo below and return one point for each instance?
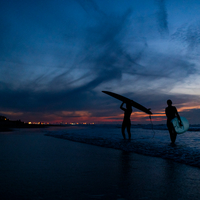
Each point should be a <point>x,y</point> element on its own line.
<point>152,129</point>
<point>152,126</point>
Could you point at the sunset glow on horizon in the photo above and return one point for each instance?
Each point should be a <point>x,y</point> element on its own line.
<point>54,67</point>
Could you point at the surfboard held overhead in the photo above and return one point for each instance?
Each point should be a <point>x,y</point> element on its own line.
<point>127,100</point>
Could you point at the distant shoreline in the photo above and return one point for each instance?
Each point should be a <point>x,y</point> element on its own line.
<point>11,126</point>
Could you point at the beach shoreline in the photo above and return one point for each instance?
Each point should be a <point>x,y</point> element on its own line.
<point>34,166</point>
<point>183,151</point>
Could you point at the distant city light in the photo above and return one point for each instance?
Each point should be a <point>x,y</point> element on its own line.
<point>62,123</point>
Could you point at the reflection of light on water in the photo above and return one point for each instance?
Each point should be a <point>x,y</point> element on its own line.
<point>186,150</point>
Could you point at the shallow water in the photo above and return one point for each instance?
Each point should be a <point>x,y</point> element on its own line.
<point>36,167</point>
<point>144,141</point>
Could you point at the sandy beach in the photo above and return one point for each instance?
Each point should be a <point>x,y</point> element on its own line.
<point>34,166</point>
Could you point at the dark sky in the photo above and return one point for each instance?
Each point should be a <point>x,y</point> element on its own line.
<point>57,56</point>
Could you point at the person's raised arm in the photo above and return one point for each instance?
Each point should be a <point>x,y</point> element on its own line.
<point>122,107</point>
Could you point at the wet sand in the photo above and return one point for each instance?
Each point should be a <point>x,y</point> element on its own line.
<point>34,166</point>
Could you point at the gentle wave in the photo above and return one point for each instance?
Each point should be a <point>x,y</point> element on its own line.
<point>144,141</point>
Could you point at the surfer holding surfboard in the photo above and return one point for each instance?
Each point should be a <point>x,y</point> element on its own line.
<point>127,111</point>
<point>126,122</point>
<point>171,113</point>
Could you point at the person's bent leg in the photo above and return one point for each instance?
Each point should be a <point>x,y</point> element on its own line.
<point>172,133</point>
<point>129,131</point>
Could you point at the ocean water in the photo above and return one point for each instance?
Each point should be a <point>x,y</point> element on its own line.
<point>146,140</point>
<point>38,167</point>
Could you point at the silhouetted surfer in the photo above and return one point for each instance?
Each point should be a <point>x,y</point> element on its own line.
<point>171,113</point>
<point>126,122</point>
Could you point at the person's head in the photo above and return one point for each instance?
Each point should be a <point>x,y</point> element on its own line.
<point>169,102</point>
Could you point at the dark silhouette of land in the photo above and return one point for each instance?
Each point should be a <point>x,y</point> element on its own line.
<point>8,125</point>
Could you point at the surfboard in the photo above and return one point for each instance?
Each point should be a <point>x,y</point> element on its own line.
<point>180,129</point>
<point>127,100</point>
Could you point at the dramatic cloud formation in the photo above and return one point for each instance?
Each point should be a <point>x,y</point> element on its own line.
<point>57,57</point>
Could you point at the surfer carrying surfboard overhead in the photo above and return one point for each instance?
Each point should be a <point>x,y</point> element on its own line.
<point>126,121</point>
<point>171,113</point>
<point>127,111</point>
